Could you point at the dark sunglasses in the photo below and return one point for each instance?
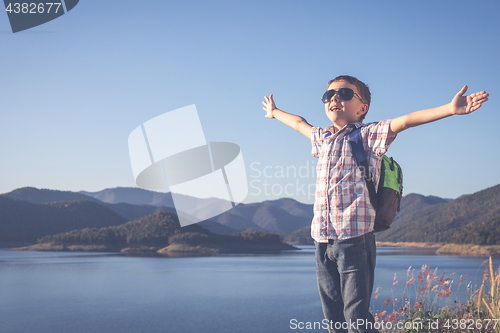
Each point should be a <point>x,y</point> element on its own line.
<point>345,94</point>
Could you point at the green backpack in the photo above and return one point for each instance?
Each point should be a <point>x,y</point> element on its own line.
<point>386,200</point>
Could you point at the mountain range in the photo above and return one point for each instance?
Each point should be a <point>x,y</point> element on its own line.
<point>277,215</point>
<point>469,219</point>
<point>437,221</point>
<point>27,214</point>
<point>23,221</point>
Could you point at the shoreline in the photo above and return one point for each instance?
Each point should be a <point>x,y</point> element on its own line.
<point>173,250</point>
<point>429,245</point>
<point>470,250</point>
<point>176,250</point>
<point>466,250</point>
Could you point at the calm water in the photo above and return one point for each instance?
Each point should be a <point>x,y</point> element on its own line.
<point>54,292</point>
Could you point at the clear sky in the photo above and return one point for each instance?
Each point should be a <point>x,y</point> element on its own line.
<point>74,88</point>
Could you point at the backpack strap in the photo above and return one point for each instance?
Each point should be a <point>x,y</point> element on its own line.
<point>358,151</point>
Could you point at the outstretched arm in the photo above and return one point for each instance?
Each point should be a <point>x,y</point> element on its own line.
<point>296,122</point>
<point>459,105</point>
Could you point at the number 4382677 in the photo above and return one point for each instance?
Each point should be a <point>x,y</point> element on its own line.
<point>470,324</point>
<point>33,8</point>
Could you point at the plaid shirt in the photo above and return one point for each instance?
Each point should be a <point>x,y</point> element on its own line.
<point>342,207</point>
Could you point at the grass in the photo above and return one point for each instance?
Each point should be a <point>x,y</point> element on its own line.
<point>470,250</point>
<point>425,305</point>
<point>412,244</point>
<point>456,249</point>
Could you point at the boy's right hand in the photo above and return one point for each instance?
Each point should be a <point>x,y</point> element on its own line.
<point>296,122</point>
<point>269,106</point>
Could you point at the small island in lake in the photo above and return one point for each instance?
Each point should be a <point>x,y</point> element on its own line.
<point>160,234</point>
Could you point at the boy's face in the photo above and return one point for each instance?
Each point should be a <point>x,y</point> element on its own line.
<point>342,112</point>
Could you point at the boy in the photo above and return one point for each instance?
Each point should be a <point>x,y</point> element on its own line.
<point>343,216</point>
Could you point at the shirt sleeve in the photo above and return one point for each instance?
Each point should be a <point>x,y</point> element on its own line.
<point>317,138</point>
<point>377,137</point>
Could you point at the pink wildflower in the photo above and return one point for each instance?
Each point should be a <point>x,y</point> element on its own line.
<point>462,280</point>
<point>446,281</point>
<point>387,301</point>
<point>411,278</point>
<point>486,275</point>
<point>416,306</point>
<point>435,275</point>
<point>391,317</point>
<point>445,292</point>
<point>424,271</point>
<point>379,316</point>
<point>425,279</point>
<point>395,282</point>
<point>376,295</point>
<point>410,282</point>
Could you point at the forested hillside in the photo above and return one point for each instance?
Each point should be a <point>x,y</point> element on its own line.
<point>160,230</point>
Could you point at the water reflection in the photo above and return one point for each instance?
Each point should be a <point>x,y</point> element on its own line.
<point>103,292</point>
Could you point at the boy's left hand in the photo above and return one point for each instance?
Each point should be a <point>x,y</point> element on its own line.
<point>467,104</point>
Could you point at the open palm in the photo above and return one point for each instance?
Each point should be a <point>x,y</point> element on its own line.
<point>269,106</point>
<point>466,104</point>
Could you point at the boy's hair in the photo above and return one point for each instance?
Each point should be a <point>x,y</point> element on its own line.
<point>363,89</point>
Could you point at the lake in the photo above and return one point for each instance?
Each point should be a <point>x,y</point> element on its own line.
<point>42,292</point>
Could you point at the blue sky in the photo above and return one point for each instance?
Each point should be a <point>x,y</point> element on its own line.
<point>74,88</point>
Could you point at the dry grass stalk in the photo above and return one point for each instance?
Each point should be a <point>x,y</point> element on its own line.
<point>489,309</point>
<point>479,298</point>
<point>492,275</point>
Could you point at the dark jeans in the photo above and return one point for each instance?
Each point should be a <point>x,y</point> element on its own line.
<point>345,270</point>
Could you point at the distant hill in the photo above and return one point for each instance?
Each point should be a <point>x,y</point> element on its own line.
<point>132,195</point>
<point>127,210</point>
<point>35,195</point>
<point>217,228</point>
<point>299,237</point>
<point>277,215</point>
<point>139,196</point>
<point>281,215</point>
<point>152,230</point>
<point>485,232</point>
<point>293,207</point>
<point>201,208</point>
<point>22,221</point>
<point>235,221</point>
<point>132,212</point>
<point>439,221</point>
<point>411,204</point>
<point>159,231</point>
<point>271,217</point>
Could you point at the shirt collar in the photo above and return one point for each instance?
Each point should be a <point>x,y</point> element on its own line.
<point>330,130</point>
